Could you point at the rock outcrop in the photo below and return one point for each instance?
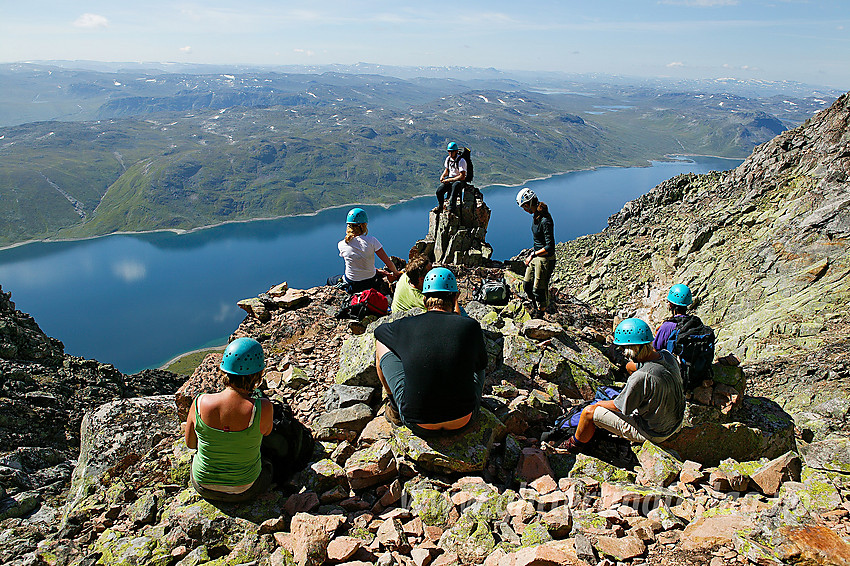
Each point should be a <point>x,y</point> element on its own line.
<point>764,247</point>
<point>459,239</point>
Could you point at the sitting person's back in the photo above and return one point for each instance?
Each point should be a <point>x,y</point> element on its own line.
<point>408,290</point>
<point>432,365</point>
<point>227,429</point>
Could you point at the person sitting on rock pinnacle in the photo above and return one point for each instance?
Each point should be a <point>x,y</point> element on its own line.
<point>678,299</point>
<point>453,178</point>
<point>227,429</point>
<point>358,250</point>
<point>652,404</point>
<point>540,263</point>
<point>432,365</point>
<point>408,289</point>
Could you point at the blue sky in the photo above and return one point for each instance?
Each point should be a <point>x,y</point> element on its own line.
<point>805,41</point>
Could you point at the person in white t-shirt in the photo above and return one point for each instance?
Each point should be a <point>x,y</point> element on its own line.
<point>453,178</point>
<point>358,249</point>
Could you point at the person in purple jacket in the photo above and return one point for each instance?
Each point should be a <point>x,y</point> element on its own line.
<point>678,299</point>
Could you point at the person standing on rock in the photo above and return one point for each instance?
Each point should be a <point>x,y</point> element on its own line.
<point>408,289</point>
<point>453,178</point>
<point>358,250</point>
<point>227,429</point>
<point>652,404</point>
<point>432,366</point>
<point>540,263</point>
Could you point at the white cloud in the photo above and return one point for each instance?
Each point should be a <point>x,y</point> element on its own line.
<point>306,52</point>
<point>91,21</point>
<point>700,3</point>
<point>186,49</point>
<point>224,310</point>
<point>129,271</point>
<point>675,64</point>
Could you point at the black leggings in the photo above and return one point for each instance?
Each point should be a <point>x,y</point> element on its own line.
<point>375,282</point>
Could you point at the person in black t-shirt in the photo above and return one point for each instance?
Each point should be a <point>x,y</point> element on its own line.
<point>432,365</point>
<point>540,263</point>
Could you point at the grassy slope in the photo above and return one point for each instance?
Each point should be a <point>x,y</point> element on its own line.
<point>185,170</point>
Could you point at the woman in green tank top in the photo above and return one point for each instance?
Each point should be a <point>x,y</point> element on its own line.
<point>227,429</point>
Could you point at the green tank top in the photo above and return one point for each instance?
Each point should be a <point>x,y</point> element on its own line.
<point>227,458</point>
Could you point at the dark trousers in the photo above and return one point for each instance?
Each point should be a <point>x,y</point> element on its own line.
<point>454,189</point>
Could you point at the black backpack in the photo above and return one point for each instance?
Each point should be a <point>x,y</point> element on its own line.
<point>493,292</point>
<point>289,446</point>
<point>466,154</point>
<point>692,343</point>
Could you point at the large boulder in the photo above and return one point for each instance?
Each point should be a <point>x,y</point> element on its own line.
<point>357,362</point>
<point>465,452</point>
<point>758,429</point>
<point>122,430</point>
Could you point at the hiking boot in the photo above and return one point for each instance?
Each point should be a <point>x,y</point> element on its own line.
<point>391,412</point>
<point>572,446</point>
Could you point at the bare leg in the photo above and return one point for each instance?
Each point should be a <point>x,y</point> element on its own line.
<point>380,350</point>
<point>586,426</point>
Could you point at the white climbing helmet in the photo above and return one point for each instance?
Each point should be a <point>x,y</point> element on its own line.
<point>525,195</point>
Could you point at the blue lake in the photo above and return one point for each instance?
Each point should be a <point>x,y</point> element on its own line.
<point>138,300</point>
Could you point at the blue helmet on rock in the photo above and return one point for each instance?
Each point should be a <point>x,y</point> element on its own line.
<point>439,280</point>
<point>452,147</point>
<point>243,356</point>
<point>680,295</point>
<point>357,216</point>
<point>631,332</point>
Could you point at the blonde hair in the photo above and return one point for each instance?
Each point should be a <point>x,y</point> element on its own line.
<point>354,230</point>
<point>443,301</point>
<point>244,382</point>
<point>637,351</point>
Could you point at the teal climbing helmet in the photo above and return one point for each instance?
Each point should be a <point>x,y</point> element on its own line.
<point>680,295</point>
<point>439,280</point>
<point>243,356</point>
<point>452,147</point>
<point>631,332</point>
<point>357,216</point>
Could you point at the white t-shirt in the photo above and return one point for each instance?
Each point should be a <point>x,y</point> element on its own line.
<point>359,256</point>
<point>455,167</point>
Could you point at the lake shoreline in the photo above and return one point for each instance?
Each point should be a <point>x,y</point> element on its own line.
<point>181,231</point>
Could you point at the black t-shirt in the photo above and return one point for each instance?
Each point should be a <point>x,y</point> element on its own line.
<point>440,353</point>
<point>543,232</point>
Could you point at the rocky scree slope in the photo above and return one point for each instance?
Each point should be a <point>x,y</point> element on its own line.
<point>763,247</point>
<point>44,394</point>
<point>373,494</point>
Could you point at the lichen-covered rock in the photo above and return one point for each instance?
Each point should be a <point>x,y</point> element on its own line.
<point>815,492</point>
<point>321,476</point>
<point>831,454</point>
<point>590,467</point>
<point>465,452</point>
<point>521,354</point>
<point>118,430</point>
<point>431,505</point>
<point>357,362</point>
<point>758,429</point>
<point>658,467</point>
<point>371,465</point>
<point>534,534</point>
<point>122,550</point>
<point>472,540</point>
<point>575,366</point>
<point>789,533</point>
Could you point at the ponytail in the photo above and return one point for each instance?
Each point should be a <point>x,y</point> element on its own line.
<point>354,230</point>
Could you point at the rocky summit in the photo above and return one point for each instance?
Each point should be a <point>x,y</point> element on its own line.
<point>94,469</point>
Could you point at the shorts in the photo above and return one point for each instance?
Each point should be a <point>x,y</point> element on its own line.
<point>393,371</point>
<point>625,426</point>
<point>260,485</point>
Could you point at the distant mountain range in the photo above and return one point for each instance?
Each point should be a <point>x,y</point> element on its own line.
<point>86,152</point>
